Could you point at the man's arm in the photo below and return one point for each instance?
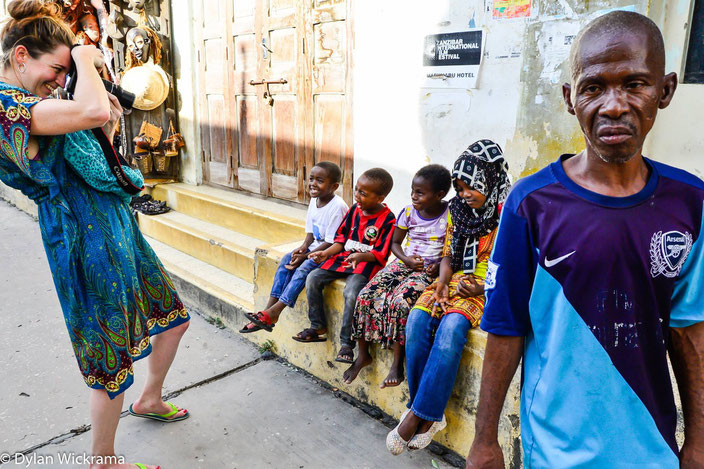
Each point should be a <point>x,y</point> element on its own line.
<point>503,353</point>
<point>687,357</point>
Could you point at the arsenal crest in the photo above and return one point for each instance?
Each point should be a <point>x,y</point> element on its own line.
<point>668,252</point>
<point>371,233</point>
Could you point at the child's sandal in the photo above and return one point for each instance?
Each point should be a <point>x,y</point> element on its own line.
<point>261,319</point>
<point>310,335</point>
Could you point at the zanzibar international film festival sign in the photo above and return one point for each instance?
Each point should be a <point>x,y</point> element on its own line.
<point>451,60</point>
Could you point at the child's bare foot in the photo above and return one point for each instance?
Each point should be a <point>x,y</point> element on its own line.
<point>351,373</point>
<point>394,378</point>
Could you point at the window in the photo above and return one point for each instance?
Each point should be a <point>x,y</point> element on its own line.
<point>694,69</point>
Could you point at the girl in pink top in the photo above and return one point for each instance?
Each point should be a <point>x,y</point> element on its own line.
<point>384,303</point>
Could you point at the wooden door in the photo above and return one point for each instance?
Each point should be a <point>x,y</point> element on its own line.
<point>214,92</point>
<point>271,145</point>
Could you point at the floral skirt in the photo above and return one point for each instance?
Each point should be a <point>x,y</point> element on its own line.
<point>383,305</point>
<point>472,308</point>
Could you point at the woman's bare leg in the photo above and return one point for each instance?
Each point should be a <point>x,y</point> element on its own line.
<point>104,417</point>
<point>164,347</point>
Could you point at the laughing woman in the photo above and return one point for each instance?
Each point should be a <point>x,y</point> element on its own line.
<point>118,303</point>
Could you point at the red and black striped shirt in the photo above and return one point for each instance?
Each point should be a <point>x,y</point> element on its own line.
<point>362,233</point>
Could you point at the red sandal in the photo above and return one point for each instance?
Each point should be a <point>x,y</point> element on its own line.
<point>261,319</point>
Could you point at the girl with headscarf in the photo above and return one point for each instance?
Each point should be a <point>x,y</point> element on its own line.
<point>437,327</point>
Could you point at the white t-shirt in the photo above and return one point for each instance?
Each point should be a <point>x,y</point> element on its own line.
<point>323,222</point>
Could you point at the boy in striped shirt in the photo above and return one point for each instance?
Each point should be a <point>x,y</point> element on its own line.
<point>361,249</point>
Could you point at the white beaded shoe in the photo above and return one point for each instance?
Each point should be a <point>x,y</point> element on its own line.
<point>394,443</point>
<point>420,441</point>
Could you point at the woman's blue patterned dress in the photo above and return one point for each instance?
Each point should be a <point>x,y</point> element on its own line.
<point>113,290</point>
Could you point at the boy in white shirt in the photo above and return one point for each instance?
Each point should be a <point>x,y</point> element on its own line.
<point>325,213</point>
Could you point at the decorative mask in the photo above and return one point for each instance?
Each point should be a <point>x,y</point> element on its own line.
<point>136,5</point>
<point>89,25</point>
<point>138,42</point>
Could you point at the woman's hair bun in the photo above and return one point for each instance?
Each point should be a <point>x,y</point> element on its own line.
<point>23,9</point>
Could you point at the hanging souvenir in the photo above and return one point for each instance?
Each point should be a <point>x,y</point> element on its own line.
<point>144,76</point>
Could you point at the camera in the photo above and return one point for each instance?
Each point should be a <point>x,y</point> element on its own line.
<point>125,98</point>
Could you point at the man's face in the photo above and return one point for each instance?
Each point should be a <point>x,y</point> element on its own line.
<point>616,93</point>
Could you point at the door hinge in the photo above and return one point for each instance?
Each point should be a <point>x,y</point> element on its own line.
<point>227,53</point>
<point>198,56</point>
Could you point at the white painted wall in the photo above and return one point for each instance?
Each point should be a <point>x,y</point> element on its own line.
<point>185,67</point>
<point>400,125</point>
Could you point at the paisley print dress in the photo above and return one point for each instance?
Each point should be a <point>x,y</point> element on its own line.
<point>113,290</point>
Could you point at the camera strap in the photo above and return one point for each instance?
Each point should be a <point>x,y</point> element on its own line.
<point>115,162</point>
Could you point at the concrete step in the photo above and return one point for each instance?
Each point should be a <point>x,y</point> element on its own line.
<point>204,277</point>
<point>220,247</point>
<point>274,222</point>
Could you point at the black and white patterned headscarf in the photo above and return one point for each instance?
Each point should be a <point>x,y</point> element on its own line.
<point>483,168</point>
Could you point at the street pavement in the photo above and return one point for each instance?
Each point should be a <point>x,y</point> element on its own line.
<point>247,412</point>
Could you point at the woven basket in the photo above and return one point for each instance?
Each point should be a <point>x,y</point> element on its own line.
<point>144,163</point>
<point>162,162</point>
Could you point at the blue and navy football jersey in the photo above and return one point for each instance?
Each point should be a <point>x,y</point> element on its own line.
<point>594,283</point>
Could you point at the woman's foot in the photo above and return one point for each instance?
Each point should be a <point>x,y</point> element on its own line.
<point>159,407</point>
<point>351,373</point>
<point>394,378</point>
<point>123,466</point>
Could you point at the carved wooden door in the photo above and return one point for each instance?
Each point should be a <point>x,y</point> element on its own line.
<point>287,93</point>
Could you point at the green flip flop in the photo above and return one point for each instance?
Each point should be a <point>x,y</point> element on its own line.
<point>142,466</point>
<point>162,417</point>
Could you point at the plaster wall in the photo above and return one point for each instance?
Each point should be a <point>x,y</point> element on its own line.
<point>185,65</point>
<point>402,124</point>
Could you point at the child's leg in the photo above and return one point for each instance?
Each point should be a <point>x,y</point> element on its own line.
<point>395,375</point>
<point>441,368</point>
<point>295,285</point>
<point>316,281</point>
<point>353,286</point>
<point>419,340</point>
<point>282,278</point>
<point>362,360</point>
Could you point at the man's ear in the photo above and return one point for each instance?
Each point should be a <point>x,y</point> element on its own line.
<point>567,96</point>
<point>442,194</point>
<point>669,85</point>
<point>335,186</point>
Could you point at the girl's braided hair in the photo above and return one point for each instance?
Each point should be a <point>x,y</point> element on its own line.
<point>36,25</point>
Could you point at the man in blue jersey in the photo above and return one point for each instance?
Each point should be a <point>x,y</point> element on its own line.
<point>597,273</point>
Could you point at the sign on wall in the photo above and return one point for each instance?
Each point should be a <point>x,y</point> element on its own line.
<point>452,60</point>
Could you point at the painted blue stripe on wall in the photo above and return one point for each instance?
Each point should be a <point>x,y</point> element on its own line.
<point>688,294</point>
<point>576,409</point>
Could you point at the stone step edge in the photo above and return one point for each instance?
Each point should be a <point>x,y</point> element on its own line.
<point>195,232</point>
<point>293,222</point>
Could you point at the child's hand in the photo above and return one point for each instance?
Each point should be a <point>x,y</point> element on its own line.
<point>433,270</point>
<point>440,297</point>
<point>353,259</point>
<point>469,286</point>
<point>318,257</point>
<point>299,250</point>
<point>295,262</point>
<point>415,263</point>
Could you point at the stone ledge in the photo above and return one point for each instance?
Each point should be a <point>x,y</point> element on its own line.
<point>318,359</point>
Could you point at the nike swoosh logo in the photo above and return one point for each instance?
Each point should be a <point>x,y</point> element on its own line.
<point>553,262</point>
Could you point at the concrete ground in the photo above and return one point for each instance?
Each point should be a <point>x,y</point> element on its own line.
<point>246,411</point>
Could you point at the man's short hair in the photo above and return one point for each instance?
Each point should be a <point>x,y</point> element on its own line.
<point>619,22</point>
<point>382,178</point>
<point>333,171</point>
